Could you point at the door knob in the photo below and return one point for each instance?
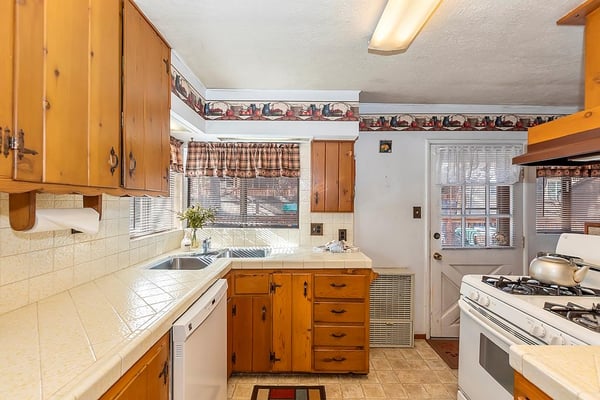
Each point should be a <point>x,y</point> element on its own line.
<point>437,256</point>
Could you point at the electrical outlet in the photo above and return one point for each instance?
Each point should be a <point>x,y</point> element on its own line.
<point>316,229</point>
<point>342,234</point>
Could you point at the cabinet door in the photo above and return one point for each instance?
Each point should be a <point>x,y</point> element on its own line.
<point>29,87</point>
<point>148,378</point>
<point>282,322</point>
<point>262,335</point>
<point>292,322</point>
<point>241,346</point>
<point>105,94</point>
<point>317,163</point>
<point>301,322</point>
<point>332,168</point>
<point>346,177</point>
<point>146,85</point>
<point>7,9</point>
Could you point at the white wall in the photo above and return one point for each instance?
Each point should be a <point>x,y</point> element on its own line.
<point>388,185</point>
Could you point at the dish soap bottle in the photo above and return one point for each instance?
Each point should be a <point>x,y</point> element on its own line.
<point>186,242</point>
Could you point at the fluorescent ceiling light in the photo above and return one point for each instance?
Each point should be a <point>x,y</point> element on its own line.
<point>400,23</point>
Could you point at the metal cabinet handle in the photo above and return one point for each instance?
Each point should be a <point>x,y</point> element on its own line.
<point>437,256</point>
<point>305,288</point>
<point>132,164</point>
<point>113,160</point>
<point>164,373</point>
<point>316,197</point>
<point>338,335</point>
<point>334,311</point>
<point>337,285</point>
<point>166,177</point>
<point>264,313</point>
<point>18,144</point>
<point>6,143</point>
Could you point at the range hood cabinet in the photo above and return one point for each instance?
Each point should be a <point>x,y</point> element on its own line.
<point>574,139</point>
<point>570,140</point>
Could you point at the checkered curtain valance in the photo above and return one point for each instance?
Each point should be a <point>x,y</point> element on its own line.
<point>243,160</point>
<point>176,155</point>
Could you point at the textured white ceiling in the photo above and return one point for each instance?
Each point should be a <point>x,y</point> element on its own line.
<point>470,52</point>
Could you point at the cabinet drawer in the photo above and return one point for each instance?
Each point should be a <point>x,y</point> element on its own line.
<point>244,283</point>
<point>341,361</point>
<point>337,286</point>
<point>339,336</point>
<point>339,312</point>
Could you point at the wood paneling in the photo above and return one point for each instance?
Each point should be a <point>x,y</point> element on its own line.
<point>592,59</point>
<point>333,175</point>
<point>525,390</point>
<point>302,322</point>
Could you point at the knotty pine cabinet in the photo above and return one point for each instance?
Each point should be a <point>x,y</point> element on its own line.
<point>333,175</point>
<point>66,115</point>
<point>148,378</point>
<point>341,321</point>
<point>279,321</point>
<point>525,390</point>
<point>6,79</point>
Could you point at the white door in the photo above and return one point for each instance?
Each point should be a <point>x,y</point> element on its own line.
<point>476,227</point>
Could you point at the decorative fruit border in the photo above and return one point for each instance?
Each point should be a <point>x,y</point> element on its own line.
<point>260,111</point>
<point>430,122</point>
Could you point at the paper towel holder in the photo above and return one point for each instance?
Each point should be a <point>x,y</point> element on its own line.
<point>21,209</point>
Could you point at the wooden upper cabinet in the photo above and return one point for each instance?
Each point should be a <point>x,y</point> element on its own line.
<point>7,9</point>
<point>67,91</point>
<point>146,94</point>
<point>332,167</point>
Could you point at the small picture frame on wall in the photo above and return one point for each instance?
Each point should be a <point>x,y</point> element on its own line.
<point>591,228</point>
<point>385,146</point>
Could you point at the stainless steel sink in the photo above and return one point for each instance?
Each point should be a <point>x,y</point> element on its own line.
<point>179,263</point>
<point>249,252</point>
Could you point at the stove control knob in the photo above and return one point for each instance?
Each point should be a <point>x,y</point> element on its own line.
<point>538,331</point>
<point>558,340</point>
<point>484,301</point>
<point>474,296</point>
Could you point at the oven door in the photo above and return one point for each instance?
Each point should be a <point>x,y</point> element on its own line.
<point>484,371</point>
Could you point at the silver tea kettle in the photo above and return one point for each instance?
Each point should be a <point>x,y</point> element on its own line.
<point>557,269</point>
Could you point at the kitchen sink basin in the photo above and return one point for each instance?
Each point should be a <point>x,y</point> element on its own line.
<point>178,263</point>
<point>242,252</point>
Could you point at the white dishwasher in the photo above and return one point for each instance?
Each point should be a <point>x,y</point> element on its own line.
<point>199,350</point>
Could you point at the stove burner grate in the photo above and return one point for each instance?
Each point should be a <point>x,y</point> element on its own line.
<point>529,286</point>
<point>586,317</point>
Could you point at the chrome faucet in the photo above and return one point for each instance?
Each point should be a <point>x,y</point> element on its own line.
<point>206,245</point>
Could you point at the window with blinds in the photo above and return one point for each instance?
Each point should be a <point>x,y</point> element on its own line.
<point>566,203</point>
<point>259,202</point>
<point>148,215</point>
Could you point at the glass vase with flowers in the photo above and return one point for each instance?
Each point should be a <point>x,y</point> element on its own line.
<point>195,218</point>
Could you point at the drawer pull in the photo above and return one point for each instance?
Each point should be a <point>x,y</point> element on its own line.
<point>338,311</point>
<point>305,288</point>
<point>336,359</point>
<point>338,335</point>
<point>337,285</point>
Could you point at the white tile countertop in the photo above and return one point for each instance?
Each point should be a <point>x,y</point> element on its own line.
<point>76,344</point>
<point>562,372</point>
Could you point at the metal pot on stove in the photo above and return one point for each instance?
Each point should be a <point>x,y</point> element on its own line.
<point>558,269</point>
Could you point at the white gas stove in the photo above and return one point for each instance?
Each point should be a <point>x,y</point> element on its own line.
<point>497,312</point>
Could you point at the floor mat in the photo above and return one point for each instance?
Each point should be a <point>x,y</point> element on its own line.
<point>288,393</point>
<point>447,349</point>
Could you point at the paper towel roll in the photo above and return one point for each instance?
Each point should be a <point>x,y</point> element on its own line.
<point>86,220</point>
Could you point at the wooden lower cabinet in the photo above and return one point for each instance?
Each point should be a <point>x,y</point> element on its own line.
<point>299,320</point>
<point>525,390</point>
<point>148,378</point>
<point>341,321</point>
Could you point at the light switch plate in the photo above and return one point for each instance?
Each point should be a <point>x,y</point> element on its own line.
<point>417,212</point>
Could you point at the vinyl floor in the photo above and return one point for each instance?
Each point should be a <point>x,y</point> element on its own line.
<point>395,373</point>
